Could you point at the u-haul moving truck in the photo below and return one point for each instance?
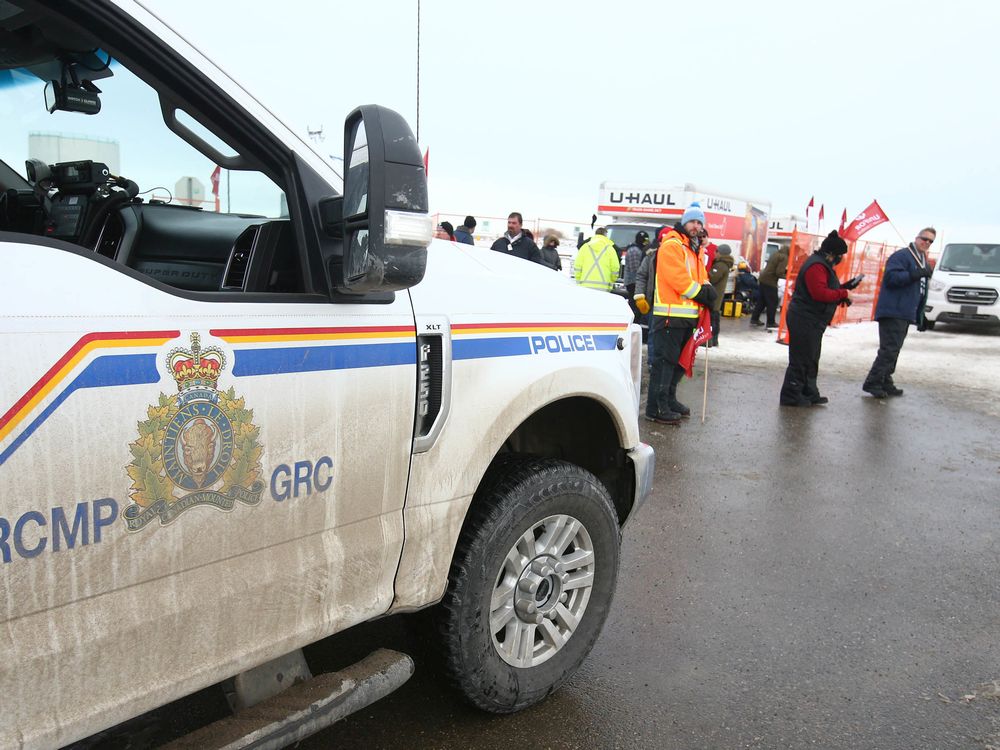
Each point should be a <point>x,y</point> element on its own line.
<point>225,435</point>
<point>737,221</point>
<point>779,233</point>
<point>782,227</point>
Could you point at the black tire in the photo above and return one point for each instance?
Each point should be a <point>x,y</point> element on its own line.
<point>521,494</point>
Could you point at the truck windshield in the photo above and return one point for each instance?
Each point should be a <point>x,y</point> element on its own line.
<point>129,135</point>
<point>623,235</point>
<point>971,258</point>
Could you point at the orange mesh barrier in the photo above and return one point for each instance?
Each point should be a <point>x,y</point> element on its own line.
<point>802,247</point>
<point>867,258</point>
<point>862,257</point>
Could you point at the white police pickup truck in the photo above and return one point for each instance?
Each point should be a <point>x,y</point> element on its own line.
<point>231,427</point>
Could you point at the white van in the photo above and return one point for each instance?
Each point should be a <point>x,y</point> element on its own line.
<point>228,431</point>
<point>965,285</point>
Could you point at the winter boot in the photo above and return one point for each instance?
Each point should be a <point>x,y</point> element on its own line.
<point>678,407</point>
<point>794,401</point>
<point>672,401</point>
<point>793,393</point>
<point>875,389</point>
<point>669,418</point>
<point>890,388</point>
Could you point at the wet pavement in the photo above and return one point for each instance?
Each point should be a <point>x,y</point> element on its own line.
<point>801,578</point>
<point>822,577</point>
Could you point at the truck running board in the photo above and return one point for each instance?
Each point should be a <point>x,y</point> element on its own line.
<point>306,708</point>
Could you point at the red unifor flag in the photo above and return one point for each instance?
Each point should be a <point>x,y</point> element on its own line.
<point>702,333</point>
<point>812,202</point>
<point>216,174</point>
<point>821,212</point>
<point>843,220</point>
<point>870,218</point>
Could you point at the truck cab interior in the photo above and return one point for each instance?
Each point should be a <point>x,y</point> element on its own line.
<point>92,155</point>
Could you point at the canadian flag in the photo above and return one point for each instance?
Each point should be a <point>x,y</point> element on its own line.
<point>812,202</point>
<point>216,174</point>
<point>870,218</point>
<point>821,212</point>
<point>843,220</point>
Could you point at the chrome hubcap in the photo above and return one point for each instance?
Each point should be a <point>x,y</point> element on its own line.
<point>542,590</point>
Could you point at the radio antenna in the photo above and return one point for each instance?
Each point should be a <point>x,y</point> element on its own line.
<point>418,72</point>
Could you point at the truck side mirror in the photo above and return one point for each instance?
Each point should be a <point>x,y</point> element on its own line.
<point>383,213</point>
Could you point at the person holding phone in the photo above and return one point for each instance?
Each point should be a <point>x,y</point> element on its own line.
<point>817,294</point>
<point>900,302</point>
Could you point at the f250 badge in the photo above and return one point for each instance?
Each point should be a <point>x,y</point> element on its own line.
<point>199,447</point>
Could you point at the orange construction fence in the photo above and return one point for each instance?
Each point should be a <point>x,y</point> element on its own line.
<point>862,257</point>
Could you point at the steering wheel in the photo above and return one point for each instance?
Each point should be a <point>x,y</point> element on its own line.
<point>104,202</point>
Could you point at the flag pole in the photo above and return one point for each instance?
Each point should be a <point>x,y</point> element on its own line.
<point>704,398</point>
<point>901,237</point>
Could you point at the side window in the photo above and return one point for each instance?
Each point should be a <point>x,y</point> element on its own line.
<point>121,183</point>
<point>229,191</point>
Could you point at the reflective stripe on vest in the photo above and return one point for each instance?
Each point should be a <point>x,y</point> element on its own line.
<point>683,310</point>
<point>599,283</point>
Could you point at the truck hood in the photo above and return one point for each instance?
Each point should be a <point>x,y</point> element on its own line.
<point>980,276</point>
<point>462,280</point>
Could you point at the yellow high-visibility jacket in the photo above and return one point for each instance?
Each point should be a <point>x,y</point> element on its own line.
<point>597,264</point>
<point>679,276</point>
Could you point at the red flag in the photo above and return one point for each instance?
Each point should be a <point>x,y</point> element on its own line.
<point>870,218</point>
<point>821,212</point>
<point>216,174</point>
<point>843,220</point>
<point>427,161</point>
<point>810,205</point>
<point>702,333</point>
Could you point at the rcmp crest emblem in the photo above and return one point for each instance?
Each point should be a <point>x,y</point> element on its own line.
<point>198,447</point>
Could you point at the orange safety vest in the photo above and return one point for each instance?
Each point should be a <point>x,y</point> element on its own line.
<point>679,276</point>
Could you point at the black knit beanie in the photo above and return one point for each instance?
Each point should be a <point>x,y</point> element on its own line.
<point>833,244</point>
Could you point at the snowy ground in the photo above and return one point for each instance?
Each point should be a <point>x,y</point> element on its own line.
<point>949,356</point>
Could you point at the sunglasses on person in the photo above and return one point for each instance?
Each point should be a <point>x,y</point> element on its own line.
<point>928,240</point>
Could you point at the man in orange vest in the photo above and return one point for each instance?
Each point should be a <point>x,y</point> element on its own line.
<point>682,288</point>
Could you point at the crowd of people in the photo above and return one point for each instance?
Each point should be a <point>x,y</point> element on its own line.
<point>672,280</point>
<point>517,240</point>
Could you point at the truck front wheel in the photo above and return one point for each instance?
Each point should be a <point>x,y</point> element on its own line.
<point>531,582</point>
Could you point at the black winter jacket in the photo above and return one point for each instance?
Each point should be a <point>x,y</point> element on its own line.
<point>802,302</point>
<point>522,247</point>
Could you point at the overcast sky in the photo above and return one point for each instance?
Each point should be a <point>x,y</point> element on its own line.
<point>529,106</point>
